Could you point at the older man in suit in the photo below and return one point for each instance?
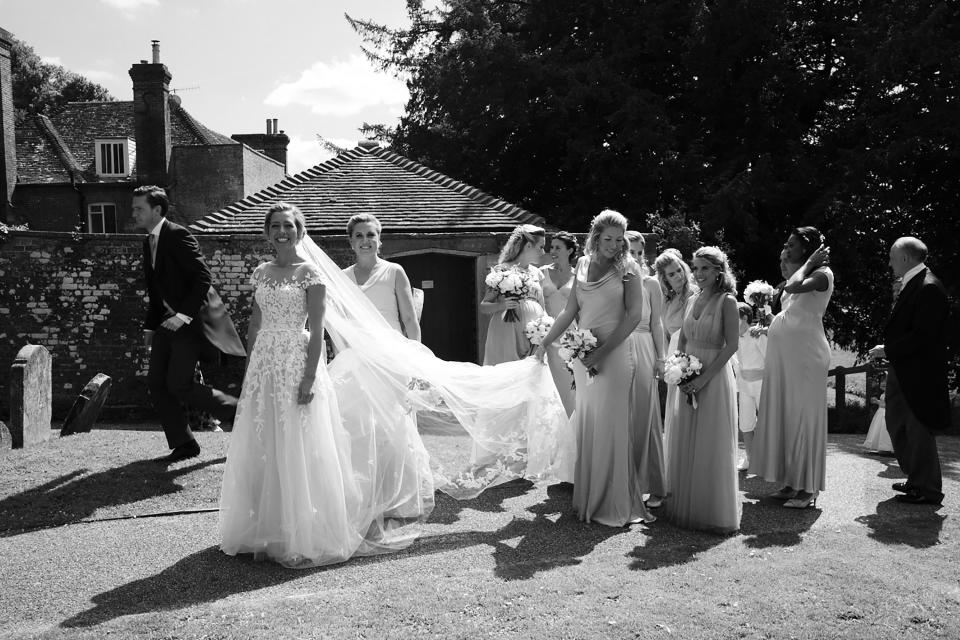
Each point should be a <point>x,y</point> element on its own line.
<point>917,397</point>
<point>186,321</point>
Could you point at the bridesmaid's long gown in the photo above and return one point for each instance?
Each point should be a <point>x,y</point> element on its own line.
<point>507,341</point>
<point>790,445</point>
<point>555,300</point>
<point>702,459</point>
<point>645,407</point>
<point>608,487</point>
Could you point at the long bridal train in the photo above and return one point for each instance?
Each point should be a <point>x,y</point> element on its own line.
<point>353,476</point>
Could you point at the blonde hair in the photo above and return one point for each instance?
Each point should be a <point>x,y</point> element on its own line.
<point>726,282</point>
<point>604,219</point>
<point>663,261</point>
<point>520,237</point>
<point>298,219</point>
<point>635,236</point>
<point>360,218</point>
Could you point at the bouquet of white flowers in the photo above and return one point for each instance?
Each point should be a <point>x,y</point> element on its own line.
<point>682,367</point>
<point>576,343</point>
<point>512,283</point>
<point>536,330</point>
<point>758,294</point>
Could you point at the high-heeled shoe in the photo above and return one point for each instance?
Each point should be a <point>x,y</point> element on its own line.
<point>802,501</point>
<point>787,493</point>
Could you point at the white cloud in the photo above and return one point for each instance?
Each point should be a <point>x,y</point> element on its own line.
<point>52,60</point>
<point>341,88</point>
<point>129,6</point>
<point>305,153</point>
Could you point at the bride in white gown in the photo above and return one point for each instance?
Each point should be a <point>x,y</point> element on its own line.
<point>325,465</point>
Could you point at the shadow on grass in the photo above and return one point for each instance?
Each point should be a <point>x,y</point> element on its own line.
<point>668,546</point>
<point>913,525</point>
<point>205,576</point>
<point>765,522</point>
<point>74,497</point>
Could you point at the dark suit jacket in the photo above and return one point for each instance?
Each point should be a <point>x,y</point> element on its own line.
<point>182,280</point>
<point>916,346</point>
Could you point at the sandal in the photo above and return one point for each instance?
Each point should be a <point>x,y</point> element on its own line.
<point>787,493</point>
<point>804,501</point>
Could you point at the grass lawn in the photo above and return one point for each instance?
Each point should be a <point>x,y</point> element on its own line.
<point>100,542</point>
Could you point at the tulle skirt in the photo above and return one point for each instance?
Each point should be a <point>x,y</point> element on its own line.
<point>303,488</point>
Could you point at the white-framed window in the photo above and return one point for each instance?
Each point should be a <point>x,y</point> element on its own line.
<point>113,156</point>
<point>102,218</point>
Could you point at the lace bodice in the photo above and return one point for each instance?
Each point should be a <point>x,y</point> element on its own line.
<point>283,303</point>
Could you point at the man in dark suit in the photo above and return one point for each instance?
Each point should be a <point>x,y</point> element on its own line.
<point>186,321</point>
<point>917,397</point>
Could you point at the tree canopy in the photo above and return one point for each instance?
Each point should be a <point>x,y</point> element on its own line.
<point>42,87</point>
<point>745,118</point>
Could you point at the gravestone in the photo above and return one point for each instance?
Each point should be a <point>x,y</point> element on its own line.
<point>31,396</point>
<point>6,441</point>
<point>86,408</point>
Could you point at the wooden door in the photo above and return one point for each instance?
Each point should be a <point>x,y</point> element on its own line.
<point>448,324</point>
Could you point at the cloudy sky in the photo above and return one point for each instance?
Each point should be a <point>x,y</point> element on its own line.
<point>234,63</point>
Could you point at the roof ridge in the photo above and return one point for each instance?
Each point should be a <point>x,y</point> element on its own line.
<point>235,215</point>
<point>449,182</point>
<point>64,154</point>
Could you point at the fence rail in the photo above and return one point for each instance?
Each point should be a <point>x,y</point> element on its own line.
<point>840,390</point>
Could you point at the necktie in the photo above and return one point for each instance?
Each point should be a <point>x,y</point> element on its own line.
<point>153,249</point>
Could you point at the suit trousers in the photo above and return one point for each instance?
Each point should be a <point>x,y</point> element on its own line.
<point>913,443</point>
<point>173,361</point>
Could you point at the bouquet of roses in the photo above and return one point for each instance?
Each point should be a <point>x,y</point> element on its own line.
<point>682,367</point>
<point>758,294</point>
<point>576,343</point>
<point>537,330</point>
<point>512,283</point>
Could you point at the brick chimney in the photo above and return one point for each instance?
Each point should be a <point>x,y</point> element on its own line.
<point>8,143</point>
<point>272,144</point>
<point>151,118</point>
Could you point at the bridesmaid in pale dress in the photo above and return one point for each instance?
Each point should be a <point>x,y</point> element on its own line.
<point>385,283</point>
<point>557,285</point>
<point>677,285</point>
<point>507,341</point>
<point>702,468</point>
<point>790,445</point>
<point>607,298</point>
<point>648,344</point>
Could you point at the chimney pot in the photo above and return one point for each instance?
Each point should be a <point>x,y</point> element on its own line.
<point>274,125</point>
<point>155,45</point>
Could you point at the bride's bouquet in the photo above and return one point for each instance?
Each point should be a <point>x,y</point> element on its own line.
<point>759,294</point>
<point>577,343</point>
<point>682,367</point>
<point>536,330</point>
<point>512,283</point>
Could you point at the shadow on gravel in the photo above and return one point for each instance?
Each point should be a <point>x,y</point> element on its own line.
<point>554,537</point>
<point>446,510</point>
<point>205,576</point>
<point>914,525</point>
<point>74,496</point>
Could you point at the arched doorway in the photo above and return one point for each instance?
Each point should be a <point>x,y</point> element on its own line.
<point>448,324</point>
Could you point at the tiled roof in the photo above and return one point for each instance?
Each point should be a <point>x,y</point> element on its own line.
<point>49,148</point>
<point>404,195</point>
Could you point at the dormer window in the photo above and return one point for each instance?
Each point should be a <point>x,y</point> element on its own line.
<point>113,157</point>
